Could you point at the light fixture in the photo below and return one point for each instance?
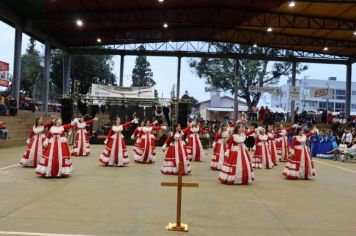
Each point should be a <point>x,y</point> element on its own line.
<point>160,1</point>
<point>292,4</point>
<point>255,45</point>
<point>326,48</point>
<point>79,23</point>
<point>355,33</point>
<point>170,41</point>
<point>98,40</point>
<point>165,25</point>
<point>269,29</point>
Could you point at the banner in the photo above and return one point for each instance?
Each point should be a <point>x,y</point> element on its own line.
<point>4,74</point>
<point>321,93</point>
<point>272,90</point>
<point>98,90</point>
<point>294,93</point>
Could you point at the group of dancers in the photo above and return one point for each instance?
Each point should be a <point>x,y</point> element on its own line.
<point>51,157</point>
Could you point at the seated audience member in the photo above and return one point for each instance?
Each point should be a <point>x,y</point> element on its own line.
<point>3,107</point>
<point>3,130</point>
<point>347,138</point>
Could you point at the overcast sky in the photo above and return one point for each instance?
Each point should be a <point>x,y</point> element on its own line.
<point>165,68</point>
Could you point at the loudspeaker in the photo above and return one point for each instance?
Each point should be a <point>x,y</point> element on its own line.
<point>67,110</point>
<point>183,114</point>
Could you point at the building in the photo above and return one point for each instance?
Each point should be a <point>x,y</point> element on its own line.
<point>310,103</point>
<point>218,107</point>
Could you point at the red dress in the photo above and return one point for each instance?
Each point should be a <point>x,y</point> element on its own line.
<point>194,146</point>
<point>282,145</point>
<point>272,147</point>
<point>219,147</point>
<point>237,167</point>
<point>176,154</point>
<point>301,165</point>
<point>135,137</point>
<point>34,150</point>
<point>115,153</point>
<point>262,156</point>
<point>81,141</point>
<point>55,161</point>
<point>146,151</point>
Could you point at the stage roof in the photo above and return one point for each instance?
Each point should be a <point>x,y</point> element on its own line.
<point>312,26</point>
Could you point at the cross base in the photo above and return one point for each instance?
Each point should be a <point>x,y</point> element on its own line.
<point>174,227</point>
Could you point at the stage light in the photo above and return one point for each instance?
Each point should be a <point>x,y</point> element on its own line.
<point>292,4</point>
<point>165,25</point>
<point>79,23</point>
<point>269,29</point>
<point>160,1</point>
<point>355,33</point>
<point>255,45</point>
<point>325,48</point>
<point>98,40</point>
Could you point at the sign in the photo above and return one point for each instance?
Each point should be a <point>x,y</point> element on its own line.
<point>272,90</point>
<point>321,93</point>
<point>294,93</point>
<point>4,74</point>
<point>98,90</point>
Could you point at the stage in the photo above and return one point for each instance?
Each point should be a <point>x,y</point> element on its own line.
<point>99,200</point>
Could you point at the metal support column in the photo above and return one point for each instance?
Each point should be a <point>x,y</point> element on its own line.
<point>178,87</point>
<point>67,62</point>
<point>45,87</point>
<point>122,65</point>
<point>348,90</point>
<point>294,79</point>
<point>17,65</point>
<point>236,90</point>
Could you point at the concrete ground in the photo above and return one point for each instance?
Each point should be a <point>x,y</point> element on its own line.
<point>99,200</point>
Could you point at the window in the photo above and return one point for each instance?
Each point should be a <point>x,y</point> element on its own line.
<point>353,107</point>
<point>339,106</point>
<point>322,105</point>
<point>353,93</point>
<point>340,94</point>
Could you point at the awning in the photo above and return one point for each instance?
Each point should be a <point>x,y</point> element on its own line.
<point>226,109</point>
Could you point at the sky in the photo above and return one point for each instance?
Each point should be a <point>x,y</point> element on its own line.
<point>165,69</point>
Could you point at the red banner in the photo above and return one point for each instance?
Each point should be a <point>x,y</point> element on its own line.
<point>4,66</point>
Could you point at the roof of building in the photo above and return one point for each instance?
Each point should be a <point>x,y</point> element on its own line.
<point>308,25</point>
<point>228,97</point>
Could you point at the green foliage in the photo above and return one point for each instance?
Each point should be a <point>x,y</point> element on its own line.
<point>220,73</point>
<point>31,71</point>
<point>142,74</point>
<point>193,101</point>
<point>86,69</point>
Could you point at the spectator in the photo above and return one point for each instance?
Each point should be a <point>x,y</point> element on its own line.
<point>3,130</point>
<point>3,106</point>
<point>12,105</point>
<point>347,138</point>
<point>261,116</point>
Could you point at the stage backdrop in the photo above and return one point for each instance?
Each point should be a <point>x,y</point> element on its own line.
<point>98,90</point>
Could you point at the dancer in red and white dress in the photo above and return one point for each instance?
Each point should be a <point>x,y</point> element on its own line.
<point>272,144</point>
<point>262,157</point>
<point>282,144</point>
<point>115,153</point>
<point>237,167</point>
<point>135,136</point>
<point>35,142</point>
<point>81,141</point>
<point>219,147</point>
<point>176,153</point>
<point>55,161</point>
<point>300,165</point>
<point>194,145</point>
<point>146,151</point>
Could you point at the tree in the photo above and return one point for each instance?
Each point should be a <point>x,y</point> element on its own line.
<point>220,73</point>
<point>142,74</point>
<point>85,69</point>
<point>192,101</point>
<point>31,71</point>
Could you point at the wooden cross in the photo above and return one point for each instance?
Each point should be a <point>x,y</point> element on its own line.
<point>178,226</point>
